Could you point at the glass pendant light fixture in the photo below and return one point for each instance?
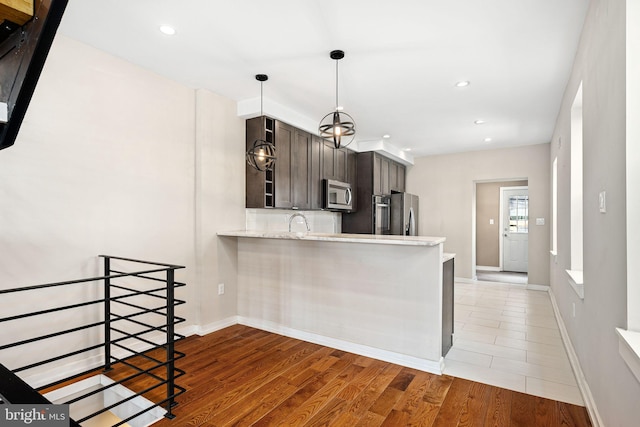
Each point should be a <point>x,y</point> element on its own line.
<point>337,125</point>
<point>262,154</point>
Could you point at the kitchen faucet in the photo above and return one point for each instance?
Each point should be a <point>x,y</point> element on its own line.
<point>300,215</point>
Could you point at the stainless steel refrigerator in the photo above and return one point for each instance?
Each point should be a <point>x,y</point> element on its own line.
<point>404,214</point>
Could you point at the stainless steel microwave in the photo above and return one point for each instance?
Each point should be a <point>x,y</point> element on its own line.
<point>337,196</point>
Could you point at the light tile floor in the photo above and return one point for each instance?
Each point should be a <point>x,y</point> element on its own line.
<point>507,336</point>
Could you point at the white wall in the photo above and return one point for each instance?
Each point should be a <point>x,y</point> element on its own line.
<point>600,65</point>
<point>633,160</point>
<point>446,183</point>
<point>103,162</point>
<point>109,160</point>
<point>220,186</point>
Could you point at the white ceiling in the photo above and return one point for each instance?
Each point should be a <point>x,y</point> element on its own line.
<point>402,59</point>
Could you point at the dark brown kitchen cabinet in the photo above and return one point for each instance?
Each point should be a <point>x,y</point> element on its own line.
<point>396,176</point>
<point>377,167</point>
<point>400,183</point>
<point>316,172</point>
<point>302,161</point>
<point>386,175</point>
<point>301,169</point>
<point>288,184</point>
<point>260,189</point>
<point>328,159</point>
<point>334,161</point>
<point>385,188</point>
<point>293,152</point>
<point>341,164</point>
<point>374,175</point>
<point>282,168</point>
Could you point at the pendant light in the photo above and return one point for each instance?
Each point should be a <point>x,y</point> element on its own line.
<point>337,125</point>
<point>262,155</point>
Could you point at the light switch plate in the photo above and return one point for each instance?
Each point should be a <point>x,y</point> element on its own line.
<point>491,221</point>
<point>539,221</point>
<point>602,201</point>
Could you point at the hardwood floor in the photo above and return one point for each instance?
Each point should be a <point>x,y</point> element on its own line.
<point>241,376</point>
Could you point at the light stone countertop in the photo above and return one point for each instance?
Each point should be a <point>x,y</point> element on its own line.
<point>342,237</point>
<point>447,256</point>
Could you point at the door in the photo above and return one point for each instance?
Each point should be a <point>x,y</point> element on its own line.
<point>515,224</point>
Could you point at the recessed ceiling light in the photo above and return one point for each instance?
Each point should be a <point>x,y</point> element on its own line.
<point>406,149</point>
<point>168,30</point>
<point>386,136</point>
<point>463,83</point>
<point>487,140</point>
<point>479,122</point>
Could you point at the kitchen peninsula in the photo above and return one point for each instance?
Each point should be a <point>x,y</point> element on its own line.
<point>378,296</point>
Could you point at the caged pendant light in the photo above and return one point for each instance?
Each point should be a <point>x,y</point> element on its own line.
<point>262,155</point>
<point>337,125</point>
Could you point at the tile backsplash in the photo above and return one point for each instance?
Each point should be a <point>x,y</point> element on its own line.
<point>278,220</point>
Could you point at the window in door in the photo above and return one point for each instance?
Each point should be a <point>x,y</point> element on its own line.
<point>519,214</point>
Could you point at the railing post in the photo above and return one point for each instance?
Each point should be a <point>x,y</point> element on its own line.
<point>170,344</point>
<point>107,314</point>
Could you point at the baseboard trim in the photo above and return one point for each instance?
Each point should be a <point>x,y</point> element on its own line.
<point>464,280</point>
<point>534,287</point>
<point>362,350</point>
<point>216,326</point>
<point>529,286</point>
<point>487,268</point>
<point>587,396</point>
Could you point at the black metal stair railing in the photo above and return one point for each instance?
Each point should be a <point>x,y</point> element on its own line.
<point>132,327</point>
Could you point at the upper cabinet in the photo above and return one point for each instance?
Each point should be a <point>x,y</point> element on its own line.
<point>376,175</point>
<point>335,162</point>
<point>259,186</point>
<point>396,176</point>
<point>302,161</point>
<point>387,175</point>
<point>293,153</point>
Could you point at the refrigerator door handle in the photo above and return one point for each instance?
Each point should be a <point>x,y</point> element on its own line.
<point>410,230</point>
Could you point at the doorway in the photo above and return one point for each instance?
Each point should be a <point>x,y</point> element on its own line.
<point>515,229</point>
<point>492,216</point>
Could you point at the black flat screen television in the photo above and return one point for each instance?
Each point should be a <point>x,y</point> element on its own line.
<point>23,51</point>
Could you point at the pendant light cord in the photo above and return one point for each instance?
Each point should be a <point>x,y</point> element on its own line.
<point>337,103</point>
<point>264,131</point>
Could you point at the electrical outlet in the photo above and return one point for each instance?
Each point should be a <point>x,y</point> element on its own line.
<point>220,288</point>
